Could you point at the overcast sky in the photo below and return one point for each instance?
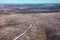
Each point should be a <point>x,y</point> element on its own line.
<point>29,1</point>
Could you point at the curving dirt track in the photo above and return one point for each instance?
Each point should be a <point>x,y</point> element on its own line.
<point>46,26</point>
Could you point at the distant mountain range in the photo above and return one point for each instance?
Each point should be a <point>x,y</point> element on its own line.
<point>31,5</point>
<point>29,8</point>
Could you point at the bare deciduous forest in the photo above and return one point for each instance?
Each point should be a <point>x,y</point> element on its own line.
<point>46,26</point>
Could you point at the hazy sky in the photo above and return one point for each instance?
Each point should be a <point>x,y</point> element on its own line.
<point>29,1</point>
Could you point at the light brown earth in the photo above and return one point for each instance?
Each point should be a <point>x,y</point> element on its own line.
<point>46,26</point>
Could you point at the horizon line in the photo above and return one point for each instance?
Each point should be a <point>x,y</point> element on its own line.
<point>29,3</point>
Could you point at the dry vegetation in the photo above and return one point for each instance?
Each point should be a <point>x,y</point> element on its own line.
<point>46,26</point>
